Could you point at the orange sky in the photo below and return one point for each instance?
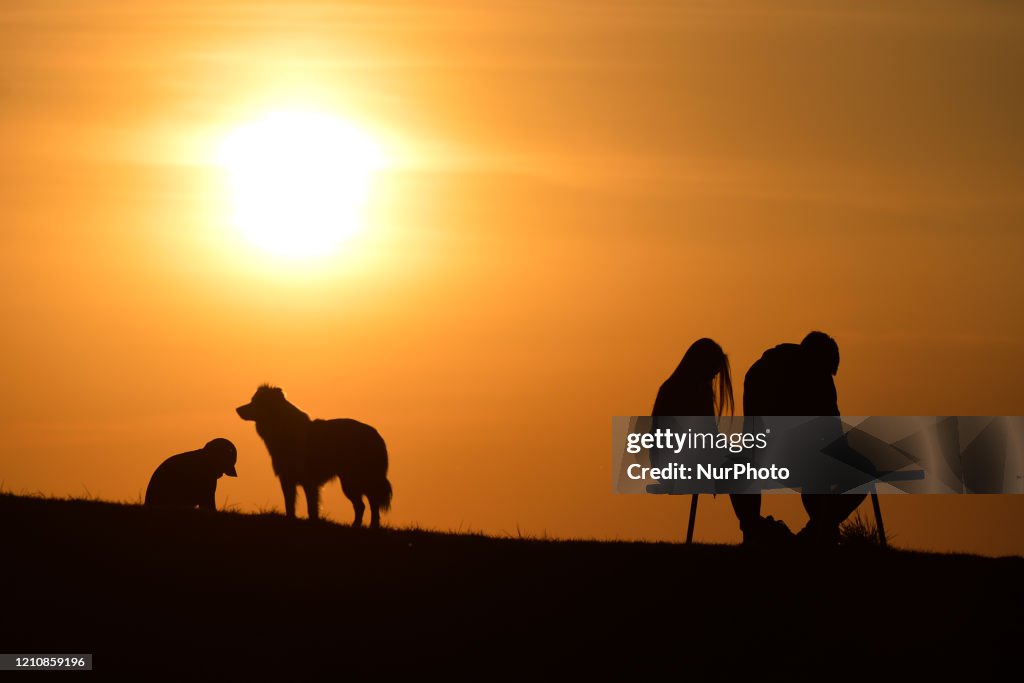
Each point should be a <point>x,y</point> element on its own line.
<point>577,191</point>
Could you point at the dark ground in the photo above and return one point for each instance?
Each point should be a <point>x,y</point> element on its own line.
<point>151,591</point>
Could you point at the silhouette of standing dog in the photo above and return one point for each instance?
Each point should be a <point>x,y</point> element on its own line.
<point>309,453</point>
<point>189,480</point>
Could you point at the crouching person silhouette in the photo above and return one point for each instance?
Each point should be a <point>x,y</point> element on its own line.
<point>796,380</point>
<point>189,480</point>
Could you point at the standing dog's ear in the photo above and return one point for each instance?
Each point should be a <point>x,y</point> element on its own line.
<point>268,392</point>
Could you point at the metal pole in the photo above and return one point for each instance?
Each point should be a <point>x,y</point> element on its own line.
<point>879,525</point>
<point>693,519</point>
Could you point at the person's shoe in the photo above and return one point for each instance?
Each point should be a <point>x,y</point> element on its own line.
<point>767,532</point>
<point>819,536</point>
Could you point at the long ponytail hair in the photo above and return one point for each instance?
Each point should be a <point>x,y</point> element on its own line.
<point>722,386</point>
<point>706,363</point>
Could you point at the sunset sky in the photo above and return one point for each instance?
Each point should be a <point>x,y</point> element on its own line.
<point>565,196</point>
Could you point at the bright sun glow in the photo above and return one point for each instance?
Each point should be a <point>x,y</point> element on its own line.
<point>299,181</point>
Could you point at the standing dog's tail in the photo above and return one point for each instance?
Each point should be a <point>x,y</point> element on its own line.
<point>384,495</point>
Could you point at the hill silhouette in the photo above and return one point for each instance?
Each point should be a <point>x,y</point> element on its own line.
<point>149,590</point>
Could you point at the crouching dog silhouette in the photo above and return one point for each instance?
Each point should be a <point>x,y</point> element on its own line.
<point>189,480</point>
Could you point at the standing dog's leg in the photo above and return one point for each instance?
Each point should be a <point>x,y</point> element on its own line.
<point>374,514</point>
<point>358,507</point>
<point>356,497</point>
<point>288,489</point>
<point>312,500</point>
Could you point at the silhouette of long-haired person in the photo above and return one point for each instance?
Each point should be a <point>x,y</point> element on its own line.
<point>797,380</point>
<point>700,387</point>
<point>189,480</point>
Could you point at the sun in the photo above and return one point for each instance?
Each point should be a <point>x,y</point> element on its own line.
<point>299,181</point>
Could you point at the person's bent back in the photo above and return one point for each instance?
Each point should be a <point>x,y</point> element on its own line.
<point>795,380</point>
<point>189,480</point>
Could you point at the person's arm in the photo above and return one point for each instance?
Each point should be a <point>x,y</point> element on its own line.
<point>208,500</point>
<point>833,397</point>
